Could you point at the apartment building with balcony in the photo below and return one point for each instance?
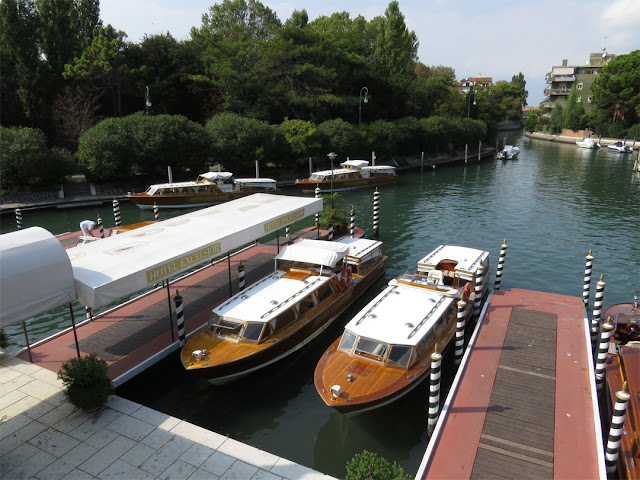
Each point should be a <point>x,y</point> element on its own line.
<point>562,78</point>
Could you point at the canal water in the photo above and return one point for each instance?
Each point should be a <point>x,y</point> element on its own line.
<point>553,204</point>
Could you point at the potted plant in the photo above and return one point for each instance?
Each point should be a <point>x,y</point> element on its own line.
<point>370,466</point>
<point>87,385</point>
<point>333,212</point>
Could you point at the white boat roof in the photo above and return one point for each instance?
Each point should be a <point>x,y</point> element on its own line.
<point>317,252</point>
<point>112,268</point>
<point>359,248</point>
<point>398,311</point>
<point>469,259</point>
<point>336,171</point>
<point>190,183</point>
<point>217,175</point>
<point>354,163</point>
<point>268,298</point>
<point>254,180</point>
<point>380,167</point>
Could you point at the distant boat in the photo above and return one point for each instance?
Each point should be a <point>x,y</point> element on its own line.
<point>509,152</point>
<point>353,174</point>
<point>587,142</point>
<point>210,188</point>
<point>385,350</point>
<point>619,147</point>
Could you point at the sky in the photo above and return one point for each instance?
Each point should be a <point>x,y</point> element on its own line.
<point>494,38</point>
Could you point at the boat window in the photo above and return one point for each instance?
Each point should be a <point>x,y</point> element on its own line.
<point>315,176</point>
<point>285,319</point>
<point>325,292</point>
<point>347,341</point>
<point>438,326</point>
<point>370,348</point>
<point>425,342</point>
<point>252,331</point>
<point>305,305</point>
<point>227,328</point>
<point>372,259</point>
<point>400,355</point>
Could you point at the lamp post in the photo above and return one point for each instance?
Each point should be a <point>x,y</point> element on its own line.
<point>469,101</point>
<point>332,157</point>
<point>366,100</point>
<point>147,100</point>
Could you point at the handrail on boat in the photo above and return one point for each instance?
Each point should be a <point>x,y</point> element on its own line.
<point>244,291</point>
<point>292,296</point>
<point>375,305</point>
<point>442,299</point>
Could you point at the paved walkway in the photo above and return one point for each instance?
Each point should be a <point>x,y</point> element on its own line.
<point>44,437</point>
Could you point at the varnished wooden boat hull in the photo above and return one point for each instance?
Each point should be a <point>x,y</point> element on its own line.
<point>187,200</point>
<point>251,357</point>
<point>626,366</point>
<point>325,186</point>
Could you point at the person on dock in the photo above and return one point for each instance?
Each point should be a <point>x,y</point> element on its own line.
<point>87,226</point>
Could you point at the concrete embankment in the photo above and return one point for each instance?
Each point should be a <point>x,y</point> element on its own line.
<point>567,137</point>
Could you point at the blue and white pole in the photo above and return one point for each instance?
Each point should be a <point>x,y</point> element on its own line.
<point>617,425</point>
<point>179,317</point>
<point>501,259</point>
<point>353,220</point>
<point>116,213</point>
<point>376,211</point>
<point>434,389</point>
<point>587,280</point>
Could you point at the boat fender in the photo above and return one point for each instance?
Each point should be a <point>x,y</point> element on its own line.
<point>346,276</point>
<point>466,292</point>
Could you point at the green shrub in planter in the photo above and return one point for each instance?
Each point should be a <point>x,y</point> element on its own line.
<point>369,466</point>
<point>87,385</point>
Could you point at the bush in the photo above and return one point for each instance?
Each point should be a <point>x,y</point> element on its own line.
<point>87,385</point>
<point>634,131</point>
<point>4,339</point>
<point>336,215</point>
<point>369,466</point>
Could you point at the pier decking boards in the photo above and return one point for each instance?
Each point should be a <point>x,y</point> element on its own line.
<point>524,407</point>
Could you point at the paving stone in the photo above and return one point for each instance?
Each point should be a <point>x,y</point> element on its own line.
<point>178,470</point>
<point>155,418</point>
<point>138,454</point>
<point>198,434</point>
<point>200,474</point>
<point>14,384</point>
<point>165,456</point>
<point>157,438</point>
<point>264,475</point>
<point>218,463</point>
<point>122,404</point>
<point>130,427</point>
<point>39,410</point>
<point>57,414</point>
<point>197,454</point>
<point>10,398</point>
<point>8,375</point>
<point>94,424</point>
<point>107,456</point>
<point>120,470</point>
<point>101,438</point>
<point>248,454</point>
<point>21,436</point>
<point>25,462</point>
<point>39,389</point>
<point>12,425</point>
<point>54,442</point>
<point>19,407</point>
<point>239,471</point>
<point>293,471</point>
<point>67,463</point>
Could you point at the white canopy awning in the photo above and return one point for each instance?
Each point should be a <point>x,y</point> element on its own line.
<point>35,275</point>
<point>317,252</point>
<point>112,268</point>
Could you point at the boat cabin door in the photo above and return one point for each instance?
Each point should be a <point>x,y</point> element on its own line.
<point>448,272</point>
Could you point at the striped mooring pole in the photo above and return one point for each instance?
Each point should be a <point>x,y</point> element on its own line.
<point>317,195</point>
<point>376,211</point>
<point>501,259</point>
<point>18,218</point>
<point>459,351</point>
<point>597,308</point>
<point>287,233</point>
<point>116,213</point>
<point>434,389</point>
<point>615,431</point>
<point>477,302</point>
<point>603,352</point>
<point>353,220</point>
<point>179,317</point>
<point>156,213</point>
<point>331,231</point>
<point>587,280</point>
<point>89,313</point>
<point>100,227</point>
<point>241,276</point>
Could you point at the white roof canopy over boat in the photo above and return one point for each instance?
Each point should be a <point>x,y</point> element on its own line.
<point>217,175</point>
<point>112,268</point>
<point>467,260</point>
<point>354,164</point>
<point>35,275</point>
<point>317,252</point>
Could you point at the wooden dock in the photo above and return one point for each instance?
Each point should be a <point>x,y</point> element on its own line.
<point>524,402</point>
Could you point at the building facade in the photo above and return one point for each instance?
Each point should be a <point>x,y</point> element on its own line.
<point>563,78</point>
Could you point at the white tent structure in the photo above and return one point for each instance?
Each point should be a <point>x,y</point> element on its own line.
<point>110,269</point>
<point>35,277</point>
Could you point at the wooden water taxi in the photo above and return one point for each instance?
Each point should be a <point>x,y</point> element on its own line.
<point>314,281</point>
<point>353,174</point>
<point>210,188</point>
<point>385,350</point>
<point>623,364</point>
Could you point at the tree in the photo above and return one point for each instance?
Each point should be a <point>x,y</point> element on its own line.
<point>573,112</point>
<point>519,80</point>
<point>299,134</point>
<point>616,91</point>
<point>74,111</point>
<point>555,120</point>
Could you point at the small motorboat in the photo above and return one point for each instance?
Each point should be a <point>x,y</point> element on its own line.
<point>509,152</point>
<point>352,174</point>
<point>385,350</point>
<point>619,147</point>
<point>587,142</point>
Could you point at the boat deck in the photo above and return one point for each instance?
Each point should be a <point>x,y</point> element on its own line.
<point>133,335</point>
<point>524,403</point>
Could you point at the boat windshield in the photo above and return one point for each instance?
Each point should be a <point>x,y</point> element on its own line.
<point>400,355</point>
<point>370,348</point>
<point>315,176</point>
<point>347,341</point>
<point>224,327</point>
<point>253,331</point>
